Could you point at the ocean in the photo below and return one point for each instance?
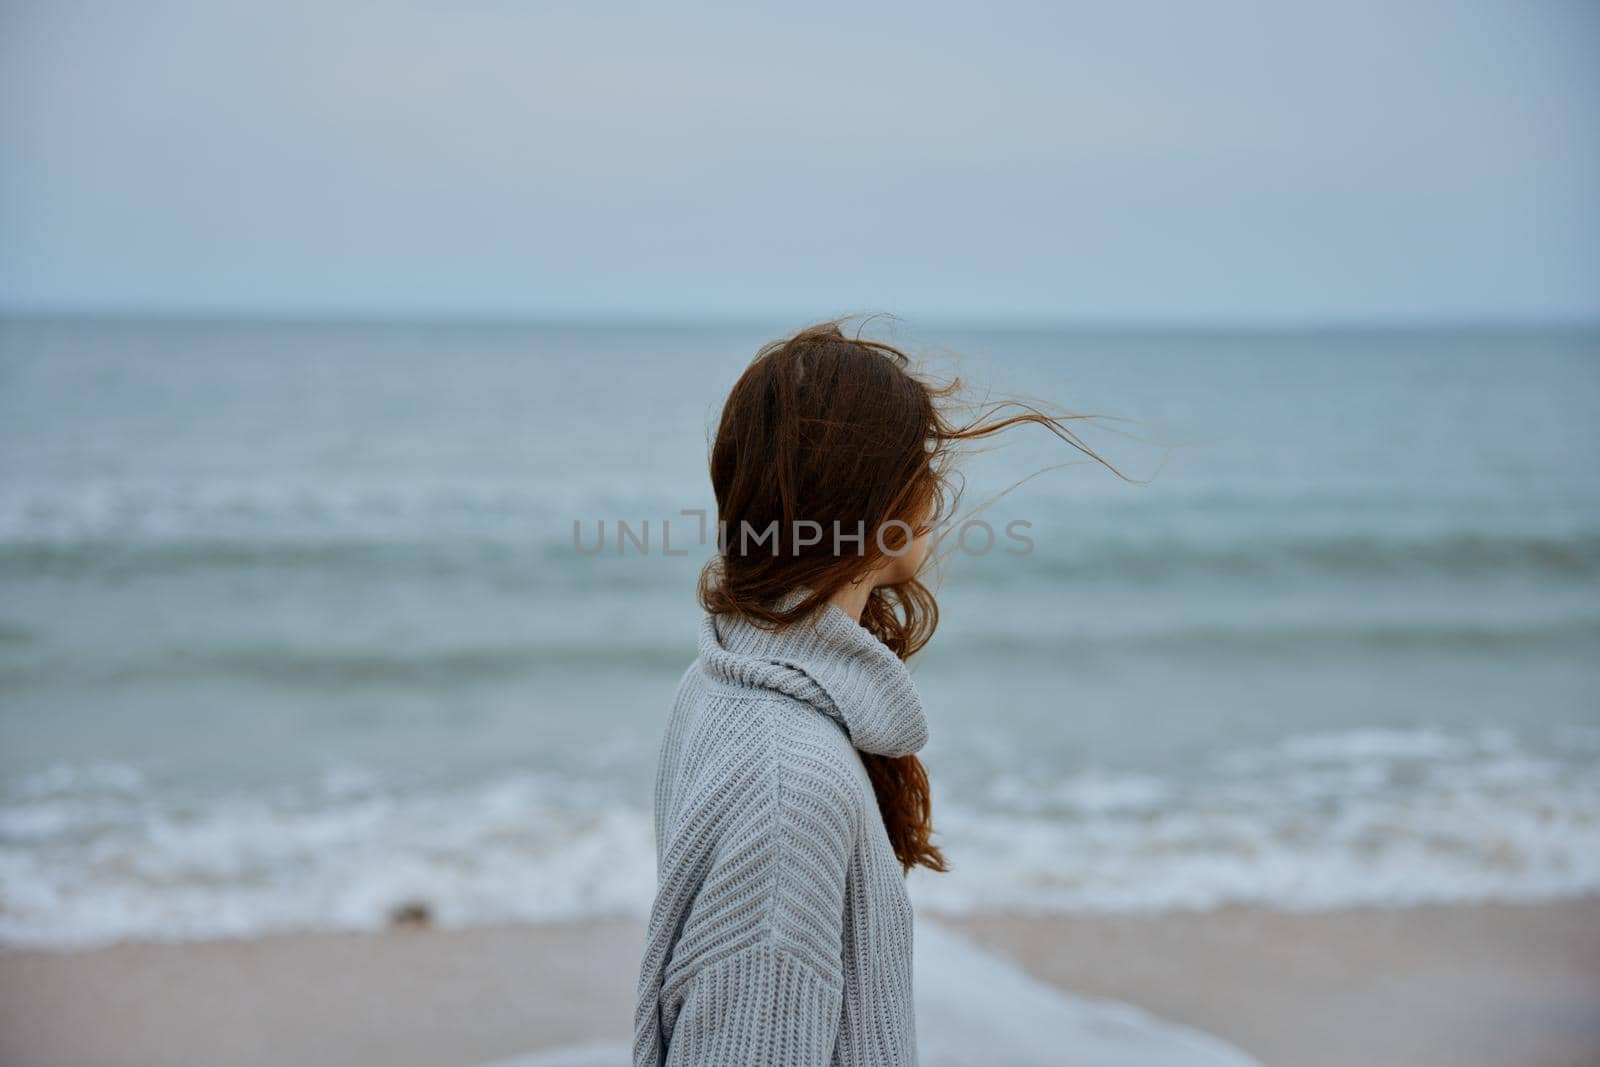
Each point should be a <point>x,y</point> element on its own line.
<point>297,626</point>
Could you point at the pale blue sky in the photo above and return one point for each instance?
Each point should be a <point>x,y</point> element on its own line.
<point>1163,162</point>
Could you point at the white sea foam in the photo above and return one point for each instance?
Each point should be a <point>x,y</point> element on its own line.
<point>82,867</point>
<point>975,1007</point>
<point>96,853</point>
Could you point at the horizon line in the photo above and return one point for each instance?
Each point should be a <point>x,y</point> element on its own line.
<point>642,319</point>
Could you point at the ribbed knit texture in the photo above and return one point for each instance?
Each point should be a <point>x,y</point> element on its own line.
<point>781,929</point>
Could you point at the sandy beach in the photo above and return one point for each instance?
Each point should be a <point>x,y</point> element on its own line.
<point>1460,985</point>
<point>1487,984</point>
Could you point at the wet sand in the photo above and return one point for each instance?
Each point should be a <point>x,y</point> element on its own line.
<point>1457,985</point>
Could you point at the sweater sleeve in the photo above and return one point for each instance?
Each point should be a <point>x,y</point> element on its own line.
<point>768,987</point>
<point>760,1006</point>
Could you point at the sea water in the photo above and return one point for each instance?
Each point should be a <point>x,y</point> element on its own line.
<point>294,630</point>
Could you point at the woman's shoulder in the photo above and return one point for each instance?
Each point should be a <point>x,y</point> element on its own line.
<point>752,731</point>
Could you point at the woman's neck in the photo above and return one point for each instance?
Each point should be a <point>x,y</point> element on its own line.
<point>852,599</point>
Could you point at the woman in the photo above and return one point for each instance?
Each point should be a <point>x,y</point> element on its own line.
<point>789,802</point>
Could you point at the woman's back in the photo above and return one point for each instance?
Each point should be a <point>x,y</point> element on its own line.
<point>781,931</point>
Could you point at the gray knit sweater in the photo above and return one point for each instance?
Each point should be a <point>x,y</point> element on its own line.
<point>781,929</point>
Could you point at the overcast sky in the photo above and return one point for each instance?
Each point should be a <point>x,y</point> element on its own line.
<point>1115,161</point>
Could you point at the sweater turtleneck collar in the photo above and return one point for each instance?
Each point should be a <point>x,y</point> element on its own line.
<point>830,662</point>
